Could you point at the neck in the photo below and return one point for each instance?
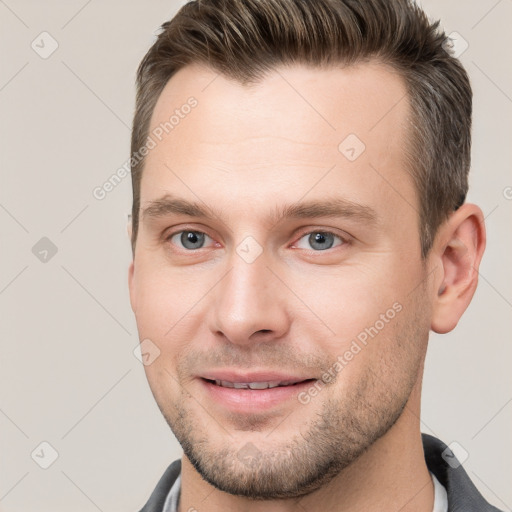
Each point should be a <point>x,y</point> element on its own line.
<point>390,475</point>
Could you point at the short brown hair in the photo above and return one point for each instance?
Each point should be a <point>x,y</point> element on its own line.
<point>244,39</point>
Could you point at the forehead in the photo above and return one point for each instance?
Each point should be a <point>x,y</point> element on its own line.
<point>360,97</point>
<point>286,130</point>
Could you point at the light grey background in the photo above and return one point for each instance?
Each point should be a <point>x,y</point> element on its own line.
<point>68,373</point>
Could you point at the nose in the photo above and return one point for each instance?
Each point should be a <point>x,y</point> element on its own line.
<point>249,304</point>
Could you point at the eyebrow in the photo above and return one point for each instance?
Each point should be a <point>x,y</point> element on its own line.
<point>338,207</point>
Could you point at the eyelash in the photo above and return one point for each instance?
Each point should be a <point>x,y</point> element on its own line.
<point>344,240</point>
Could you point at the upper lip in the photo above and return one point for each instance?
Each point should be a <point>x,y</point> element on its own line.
<point>260,376</point>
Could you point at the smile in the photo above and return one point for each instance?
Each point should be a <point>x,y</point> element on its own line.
<point>253,385</point>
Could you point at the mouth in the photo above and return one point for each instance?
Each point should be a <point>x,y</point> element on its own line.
<point>257,385</point>
<point>253,393</point>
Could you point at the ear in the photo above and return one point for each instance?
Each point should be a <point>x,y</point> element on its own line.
<point>458,246</point>
<point>131,269</point>
<point>131,286</point>
<point>129,227</point>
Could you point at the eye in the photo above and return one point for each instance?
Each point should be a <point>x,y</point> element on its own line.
<point>189,240</point>
<point>319,240</point>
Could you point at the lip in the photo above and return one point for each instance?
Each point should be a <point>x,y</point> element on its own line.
<point>260,376</point>
<point>251,401</point>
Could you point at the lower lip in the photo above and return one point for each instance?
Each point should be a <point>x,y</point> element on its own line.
<point>252,400</point>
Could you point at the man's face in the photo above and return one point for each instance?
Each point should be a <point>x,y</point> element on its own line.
<point>329,300</point>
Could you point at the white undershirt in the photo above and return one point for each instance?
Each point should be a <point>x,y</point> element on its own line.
<point>440,496</point>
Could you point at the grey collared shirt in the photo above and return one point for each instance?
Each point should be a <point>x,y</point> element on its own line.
<point>173,498</point>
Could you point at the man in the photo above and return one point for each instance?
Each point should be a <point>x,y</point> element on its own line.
<point>299,226</point>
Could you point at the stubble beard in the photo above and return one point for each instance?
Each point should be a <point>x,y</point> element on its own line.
<point>337,436</point>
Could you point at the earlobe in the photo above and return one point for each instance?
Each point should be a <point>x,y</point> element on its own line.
<point>460,243</point>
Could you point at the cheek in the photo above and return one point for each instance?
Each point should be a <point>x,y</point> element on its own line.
<point>164,297</point>
<point>169,313</point>
<point>350,299</point>
<point>382,359</point>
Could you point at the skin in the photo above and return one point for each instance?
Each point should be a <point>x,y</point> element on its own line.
<point>243,152</point>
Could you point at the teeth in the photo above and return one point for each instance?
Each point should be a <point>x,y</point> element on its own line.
<point>262,385</point>
<point>252,385</point>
